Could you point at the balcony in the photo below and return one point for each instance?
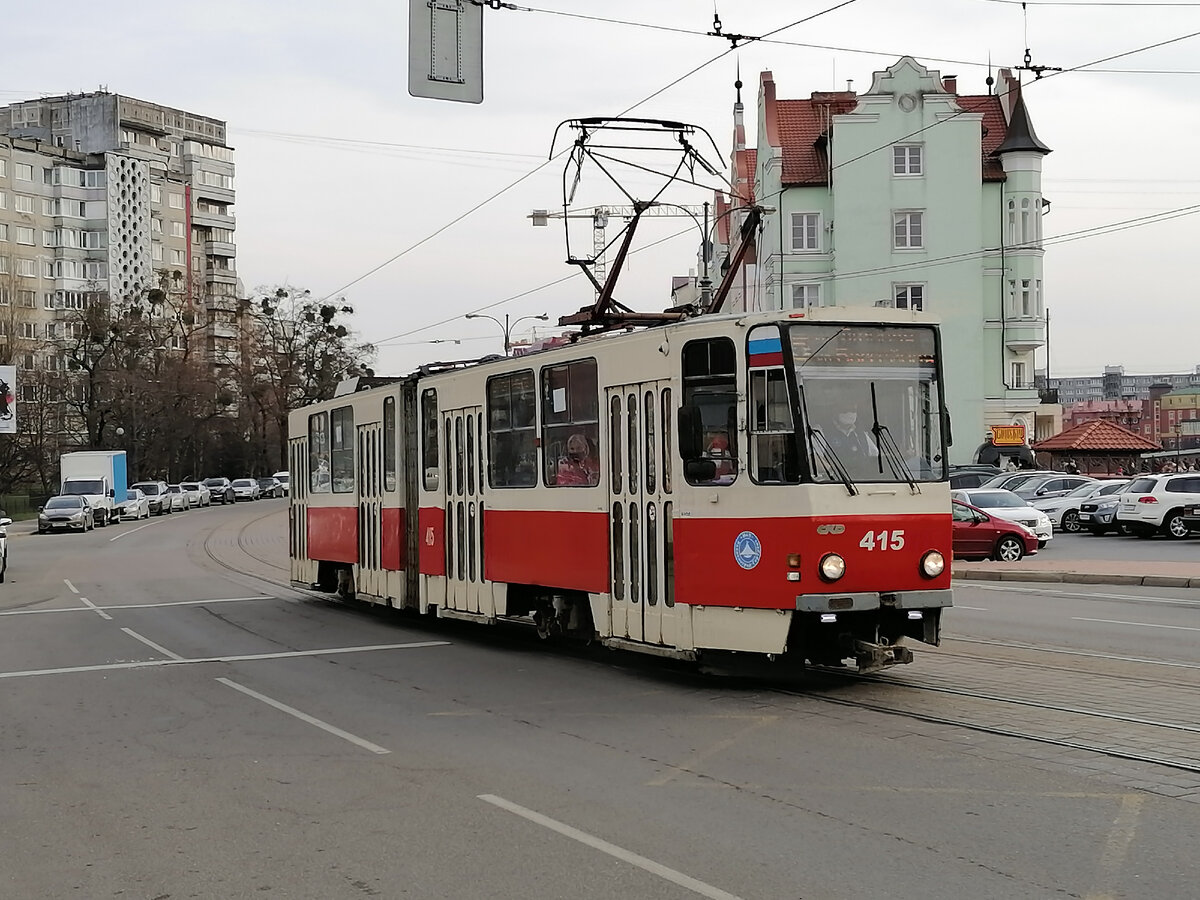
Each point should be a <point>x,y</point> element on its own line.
<point>209,219</point>
<point>220,276</point>
<point>1023,335</point>
<point>224,330</point>
<point>220,248</point>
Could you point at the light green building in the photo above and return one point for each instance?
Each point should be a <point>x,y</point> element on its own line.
<point>910,196</point>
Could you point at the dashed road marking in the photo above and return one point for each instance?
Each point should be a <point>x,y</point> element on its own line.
<point>73,589</point>
<point>124,606</point>
<point>149,643</point>
<point>1135,624</point>
<point>94,608</point>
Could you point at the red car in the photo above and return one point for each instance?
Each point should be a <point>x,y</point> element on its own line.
<point>978,535</point>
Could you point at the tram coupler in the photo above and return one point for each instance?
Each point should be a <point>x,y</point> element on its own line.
<point>875,657</point>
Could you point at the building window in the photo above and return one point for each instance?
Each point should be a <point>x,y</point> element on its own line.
<point>175,201</point>
<point>571,424</point>
<point>156,251</point>
<point>177,229</point>
<point>1012,222</point>
<point>155,193</point>
<point>806,295</point>
<point>3,197</point>
<point>51,331</point>
<point>3,232</point>
<point>24,172</point>
<point>1027,236</point>
<point>908,159</point>
<point>155,225</point>
<point>177,257</point>
<point>24,204</point>
<point>512,430</point>
<point>29,330</point>
<point>27,362</point>
<point>1018,375</point>
<point>806,232</point>
<point>909,296</point>
<point>908,230</point>
<point>3,168</point>
<point>25,235</point>
<point>1026,299</point>
<point>26,299</point>
<point>26,268</point>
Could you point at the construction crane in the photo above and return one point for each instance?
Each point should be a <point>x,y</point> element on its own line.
<point>600,215</point>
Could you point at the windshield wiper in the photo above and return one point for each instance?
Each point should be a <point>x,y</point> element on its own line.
<point>887,448</point>
<point>830,459</point>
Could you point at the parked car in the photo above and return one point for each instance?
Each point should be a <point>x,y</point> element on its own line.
<point>1009,481</point>
<point>1157,503</point>
<point>1064,511</point>
<point>5,521</point>
<point>980,535</point>
<point>220,490</point>
<point>198,495</point>
<point>136,506</point>
<point>285,480</point>
<point>67,513</point>
<point>157,494</point>
<point>179,498</point>
<point>962,477</point>
<point>270,487</point>
<point>1049,486</point>
<point>245,489</point>
<point>1008,505</point>
<point>1099,514</point>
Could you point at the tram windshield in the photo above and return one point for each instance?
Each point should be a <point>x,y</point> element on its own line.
<point>870,397</point>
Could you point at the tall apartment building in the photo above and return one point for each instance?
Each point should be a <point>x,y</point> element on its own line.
<point>106,194</point>
<point>1115,384</point>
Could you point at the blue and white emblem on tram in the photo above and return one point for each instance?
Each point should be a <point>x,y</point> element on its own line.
<point>747,550</point>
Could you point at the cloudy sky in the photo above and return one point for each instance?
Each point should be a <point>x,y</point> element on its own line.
<point>346,184</point>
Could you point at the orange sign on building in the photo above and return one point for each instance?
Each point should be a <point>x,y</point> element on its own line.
<point>1008,435</point>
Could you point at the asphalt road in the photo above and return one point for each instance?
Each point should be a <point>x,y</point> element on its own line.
<point>172,728</point>
<point>1118,547</point>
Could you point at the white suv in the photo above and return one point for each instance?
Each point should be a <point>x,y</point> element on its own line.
<point>1156,503</point>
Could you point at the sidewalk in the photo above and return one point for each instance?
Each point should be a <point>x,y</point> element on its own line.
<point>1084,571</point>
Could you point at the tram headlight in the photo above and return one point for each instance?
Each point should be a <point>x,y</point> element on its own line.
<point>833,567</point>
<point>933,564</point>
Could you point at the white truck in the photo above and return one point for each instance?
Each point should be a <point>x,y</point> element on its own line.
<point>100,477</point>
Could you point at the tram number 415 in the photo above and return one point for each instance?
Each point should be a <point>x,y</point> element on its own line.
<point>883,540</point>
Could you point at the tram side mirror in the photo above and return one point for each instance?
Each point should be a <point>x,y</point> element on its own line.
<point>948,428</point>
<point>690,437</point>
<point>699,471</point>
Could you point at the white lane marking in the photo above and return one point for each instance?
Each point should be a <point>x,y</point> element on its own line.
<point>305,717</point>
<point>149,643</point>
<point>1174,601</point>
<point>74,609</point>
<point>94,608</point>
<point>130,531</point>
<point>1138,624</point>
<point>67,582</point>
<point>649,865</point>
<point>976,608</point>
<point>249,657</point>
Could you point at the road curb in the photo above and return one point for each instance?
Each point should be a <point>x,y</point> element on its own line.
<point>1030,575</point>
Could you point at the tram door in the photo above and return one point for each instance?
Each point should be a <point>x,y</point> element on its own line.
<point>639,417</point>
<point>370,577</point>
<point>463,470</point>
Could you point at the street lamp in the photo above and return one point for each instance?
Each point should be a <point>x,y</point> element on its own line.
<point>506,325</point>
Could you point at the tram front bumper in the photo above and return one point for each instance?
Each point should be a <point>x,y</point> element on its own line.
<point>869,600</point>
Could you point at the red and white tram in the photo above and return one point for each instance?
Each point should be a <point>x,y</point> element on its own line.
<point>766,483</point>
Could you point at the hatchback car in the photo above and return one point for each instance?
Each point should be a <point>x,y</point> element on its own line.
<point>1064,511</point>
<point>198,495</point>
<point>270,487</point>
<point>1008,505</point>
<point>136,506</point>
<point>157,494</point>
<point>1099,514</point>
<point>980,535</point>
<point>1050,486</point>
<point>68,513</point>
<point>245,489</point>
<point>179,498</point>
<point>220,490</point>
<point>1158,504</point>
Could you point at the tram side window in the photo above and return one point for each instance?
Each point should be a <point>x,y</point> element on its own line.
<point>429,438</point>
<point>389,443</point>
<point>318,452</point>
<point>341,446</point>
<point>571,424</point>
<point>708,415</point>
<point>512,431</point>
<point>773,456</point>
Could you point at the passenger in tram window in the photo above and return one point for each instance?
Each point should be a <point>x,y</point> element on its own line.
<point>718,450</point>
<point>579,466</point>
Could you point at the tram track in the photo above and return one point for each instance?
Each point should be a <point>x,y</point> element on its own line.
<point>240,543</point>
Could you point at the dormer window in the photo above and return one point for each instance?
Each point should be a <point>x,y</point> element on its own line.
<point>908,160</point>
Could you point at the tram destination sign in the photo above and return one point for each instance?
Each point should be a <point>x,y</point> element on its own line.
<point>858,345</point>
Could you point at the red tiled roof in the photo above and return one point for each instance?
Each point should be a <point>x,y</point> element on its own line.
<point>994,129</point>
<point>1097,435</point>
<point>801,122</point>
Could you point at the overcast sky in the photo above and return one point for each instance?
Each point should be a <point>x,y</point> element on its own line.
<point>315,95</point>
